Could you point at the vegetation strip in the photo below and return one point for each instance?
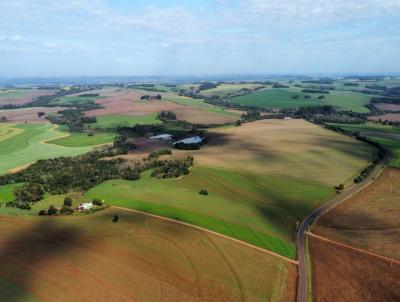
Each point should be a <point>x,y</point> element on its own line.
<point>390,260</point>
<point>208,231</point>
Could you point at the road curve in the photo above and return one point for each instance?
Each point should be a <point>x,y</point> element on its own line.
<point>302,285</point>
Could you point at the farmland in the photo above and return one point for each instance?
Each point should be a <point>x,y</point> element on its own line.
<point>137,258</point>
<point>21,96</point>
<point>114,121</point>
<point>275,98</point>
<point>260,185</point>
<point>84,140</point>
<point>21,145</point>
<point>348,101</point>
<point>388,136</point>
<point>368,220</point>
<point>224,89</point>
<point>28,114</point>
<point>342,274</point>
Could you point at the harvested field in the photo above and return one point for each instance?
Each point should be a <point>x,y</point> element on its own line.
<point>387,107</point>
<point>370,219</point>
<point>28,114</point>
<point>342,274</point>
<point>128,103</point>
<point>137,259</point>
<point>293,148</point>
<point>392,117</point>
<point>22,96</point>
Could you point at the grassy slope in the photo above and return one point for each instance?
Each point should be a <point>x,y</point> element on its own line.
<point>259,209</point>
<point>83,140</point>
<point>74,99</point>
<point>224,89</point>
<point>348,101</point>
<point>27,146</point>
<point>111,121</point>
<point>275,98</point>
<point>388,136</point>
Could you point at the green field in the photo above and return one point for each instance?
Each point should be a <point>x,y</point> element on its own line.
<point>84,140</point>
<point>388,136</point>
<point>73,99</point>
<point>258,209</point>
<point>113,121</point>
<point>224,89</point>
<point>276,98</point>
<point>348,101</point>
<point>24,144</point>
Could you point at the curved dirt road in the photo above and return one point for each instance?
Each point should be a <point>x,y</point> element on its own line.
<point>302,285</point>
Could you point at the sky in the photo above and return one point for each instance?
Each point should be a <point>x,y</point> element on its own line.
<point>48,38</point>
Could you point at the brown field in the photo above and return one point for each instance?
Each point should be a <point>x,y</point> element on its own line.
<point>292,148</point>
<point>128,103</point>
<point>387,107</point>
<point>342,274</point>
<point>89,258</point>
<point>393,117</point>
<point>370,219</point>
<point>28,114</point>
<point>23,96</point>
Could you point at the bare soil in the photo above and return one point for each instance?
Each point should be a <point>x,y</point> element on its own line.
<point>28,114</point>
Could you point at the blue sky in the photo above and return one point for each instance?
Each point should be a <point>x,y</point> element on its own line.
<point>121,37</point>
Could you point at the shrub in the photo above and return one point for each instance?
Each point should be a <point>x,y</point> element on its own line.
<point>42,212</point>
<point>97,202</point>
<point>68,201</point>
<point>66,210</point>
<point>31,192</point>
<point>203,192</point>
<point>52,210</point>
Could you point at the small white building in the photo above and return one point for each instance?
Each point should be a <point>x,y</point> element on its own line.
<point>85,206</point>
<point>190,140</point>
<point>165,136</point>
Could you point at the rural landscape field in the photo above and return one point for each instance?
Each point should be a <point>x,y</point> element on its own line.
<point>213,150</point>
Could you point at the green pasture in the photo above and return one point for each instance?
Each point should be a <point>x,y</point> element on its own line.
<point>347,100</point>
<point>259,209</point>
<point>114,121</point>
<point>74,99</point>
<point>84,140</point>
<point>224,89</point>
<point>276,98</point>
<point>28,145</point>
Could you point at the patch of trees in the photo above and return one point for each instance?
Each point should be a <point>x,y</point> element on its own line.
<point>278,85</point>
<point>73,118</point>
<point>252,115</point>
<point>166,115</point>
<point>151,97</point>
<point>203,192</point>
<point>319,87</point>
<point>315,110</point>
<point>86,95</point>
<point>327,82</point>
<point>307,90</point>
<point>375,87</point>
<point>26,194</point>
<point>156,154</point>
<point>207,85</point>
<point>173,168</point>
<point>387,100</point>
<point>351,84</point>
<point>141,130</point>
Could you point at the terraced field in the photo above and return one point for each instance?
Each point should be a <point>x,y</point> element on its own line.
<point>138,258</point>
<point>21,145</point>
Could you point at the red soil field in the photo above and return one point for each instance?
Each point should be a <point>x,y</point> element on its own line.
<point>387,107</point>
<point>28,114</point>
<point>90,258</point>
<point>342,274</point>
<point>27,96</point>
<point>368,220</point>
<point>129,103</point>
<point>392,117</point>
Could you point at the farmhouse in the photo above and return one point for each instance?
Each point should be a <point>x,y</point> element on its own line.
<point>85,206</point>
<point>190,140</point>
<point>165,136</point>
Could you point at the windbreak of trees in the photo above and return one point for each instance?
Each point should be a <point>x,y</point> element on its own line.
<point>157,154</point>
<point>315,91</point>
<point>207,85</point>
<point>167,115</point>
<point>73,118</point>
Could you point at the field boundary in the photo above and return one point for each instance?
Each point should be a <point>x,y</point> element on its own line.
<point>295,262</point>
<point>384,258</point>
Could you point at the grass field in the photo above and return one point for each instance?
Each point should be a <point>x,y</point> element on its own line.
<point>276,98</point>
<point>341,274</point>
<point>23,144</point>
<point>88,258</point>
<point>21,96</point>
<point>370,219</point>
<point>84,140</point>
<point>388,136</point>
<point>261,182</point>
<point>259,209</point>
<point>347,100</point>
<point>73,99</point>
<point>113,121</point>
<point>225,89</point>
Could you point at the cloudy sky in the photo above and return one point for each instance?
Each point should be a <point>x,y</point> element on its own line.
<point>198,37</point>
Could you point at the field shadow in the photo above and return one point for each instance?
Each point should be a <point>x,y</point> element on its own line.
<point>32,248</point>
